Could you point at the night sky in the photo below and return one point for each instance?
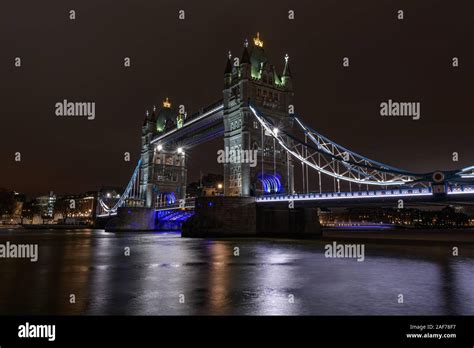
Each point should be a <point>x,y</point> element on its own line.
<point>82,60</point>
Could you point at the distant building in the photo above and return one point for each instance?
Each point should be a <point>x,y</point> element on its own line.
<point>447,217</point>
<point>11,206</point>
<point>208,185</point>
<point>212,190</point>
<point>44,205</point>
<point>76,209</point>
<point>64,209</point>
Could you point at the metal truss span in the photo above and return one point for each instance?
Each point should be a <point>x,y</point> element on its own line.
<point>131,191</point>
<point>425,191</point>
<point>329,158</point>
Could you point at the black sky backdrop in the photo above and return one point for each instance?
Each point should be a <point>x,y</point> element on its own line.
<point>82,60</point>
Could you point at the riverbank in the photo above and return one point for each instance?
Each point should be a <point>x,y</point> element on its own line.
<point>383,236</point>
<point>411,236</point>
<point>57,227</point>
<point>9,227</point>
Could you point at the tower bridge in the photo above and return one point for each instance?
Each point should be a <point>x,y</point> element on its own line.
<point>256,113</point>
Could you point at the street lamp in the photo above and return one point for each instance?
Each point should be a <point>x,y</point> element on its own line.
<point>219,186</point>
<point>180,150</point>
<point>160,147</point>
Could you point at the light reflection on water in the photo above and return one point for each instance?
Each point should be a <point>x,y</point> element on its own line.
<point>262,280</point>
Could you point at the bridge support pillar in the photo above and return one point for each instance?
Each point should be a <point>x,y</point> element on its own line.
<point>222,217</point>
<point>241,217</point>
<point>132,219</point>
<point>311,225</point>
<point>284,222</point>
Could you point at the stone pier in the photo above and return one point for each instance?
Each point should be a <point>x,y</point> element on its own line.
<point>241,217</point>
<point>222,217</point>
<point>288,223</point>
<point>132,219</point>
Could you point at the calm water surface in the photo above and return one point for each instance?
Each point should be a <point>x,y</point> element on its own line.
<point>261,281</point>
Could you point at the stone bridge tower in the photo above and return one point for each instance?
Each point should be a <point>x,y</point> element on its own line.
<point>254,80</point>
<point>163,169</point>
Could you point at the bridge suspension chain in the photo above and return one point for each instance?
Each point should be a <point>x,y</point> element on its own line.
<point>131,191</point>
<point>334,160</point>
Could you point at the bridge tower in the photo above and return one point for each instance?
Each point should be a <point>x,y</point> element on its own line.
<point>255,81</point>
<point>163,167</point>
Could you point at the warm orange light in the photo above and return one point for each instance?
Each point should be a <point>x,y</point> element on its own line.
<point>257,41</point>
<point>166,103</point>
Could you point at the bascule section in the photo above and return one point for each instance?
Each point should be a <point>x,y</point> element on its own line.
<point>260,166</point>
<point>163,166</point>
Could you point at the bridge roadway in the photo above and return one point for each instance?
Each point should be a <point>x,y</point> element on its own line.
<point>464,195</point>
<point>200,127</point>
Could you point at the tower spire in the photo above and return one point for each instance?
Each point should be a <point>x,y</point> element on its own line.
<point>286,70</point>
<point>228,70</point>
<point>145,121</point>
<point>286,76</point>
<point>245,54</point>
<point>228,67</point>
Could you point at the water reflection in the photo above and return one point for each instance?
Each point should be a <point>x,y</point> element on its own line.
<point>219,277</point>
<point>266,278</point>
<point>45,286</point>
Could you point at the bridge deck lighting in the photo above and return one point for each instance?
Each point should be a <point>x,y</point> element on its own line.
<point>159,147</point>
<point>275,131</point>
<point>180,150</point>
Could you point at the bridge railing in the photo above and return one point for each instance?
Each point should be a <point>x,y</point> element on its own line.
<point>188,203</point>
<point>421,191</point>
<point>461,189</point>
<point>204,110</point>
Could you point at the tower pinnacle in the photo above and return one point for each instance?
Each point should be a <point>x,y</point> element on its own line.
<point>228,66</point>
<point>166,103</point>
<point>257,41</point>
<point>286,70</point>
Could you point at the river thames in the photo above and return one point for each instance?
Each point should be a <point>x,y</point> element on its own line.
<point>169,275</point>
